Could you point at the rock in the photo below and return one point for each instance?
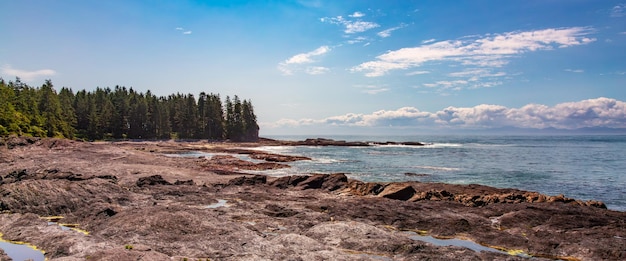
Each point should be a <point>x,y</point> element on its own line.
<point>151,181</point>
<point>276,218</point>
<point>15,176</point>
<point>397,191</point>
<point>359,188</point>
<point>14,141</point>
<point>288,181</point>
<point>274,210</point>
<point>248,181</point>
<point>184,182</point>
<point>326,182</point>
<point>275,157</point>
<point>108,212</point>
<point>4,256</point>
<point>334,182</point>
<point>412,174</point>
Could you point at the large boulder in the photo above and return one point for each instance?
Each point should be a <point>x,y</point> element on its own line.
<point>398,191</point>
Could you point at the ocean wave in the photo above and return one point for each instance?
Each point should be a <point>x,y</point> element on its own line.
<point>442,145</point>
<point>436,168</point>
<point>273,149</point>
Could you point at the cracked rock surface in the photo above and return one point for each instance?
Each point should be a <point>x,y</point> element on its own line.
<point>137,202</point>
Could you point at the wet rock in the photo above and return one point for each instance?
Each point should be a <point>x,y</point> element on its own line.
<point>412,174</point>
<point>151,181</point>
<point>276,158</point>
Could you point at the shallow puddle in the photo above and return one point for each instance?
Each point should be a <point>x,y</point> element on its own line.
<point>463,243</point>
<point>220,203</point>
<point>54,220</point>
<point>21,251</point>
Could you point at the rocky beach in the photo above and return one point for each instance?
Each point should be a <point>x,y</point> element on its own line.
<point>134,201</point>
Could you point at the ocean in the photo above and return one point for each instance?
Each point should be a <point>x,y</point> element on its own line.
<point>579,166</point>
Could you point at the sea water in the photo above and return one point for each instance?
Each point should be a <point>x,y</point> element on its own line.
<point>586,167</point>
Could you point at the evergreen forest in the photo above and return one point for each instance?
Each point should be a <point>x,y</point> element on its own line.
<point>121,113</point>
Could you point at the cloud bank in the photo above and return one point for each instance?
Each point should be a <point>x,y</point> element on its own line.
<point>26,75</point>
<point>599,112</point>
<point>491,50</point>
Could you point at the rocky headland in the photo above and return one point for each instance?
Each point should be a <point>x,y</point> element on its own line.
<point>134,200</point>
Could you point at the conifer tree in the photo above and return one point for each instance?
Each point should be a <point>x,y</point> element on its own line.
<point>50,109</point>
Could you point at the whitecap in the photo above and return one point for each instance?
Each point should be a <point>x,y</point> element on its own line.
<point>443,145</point>
<point>436,168</point>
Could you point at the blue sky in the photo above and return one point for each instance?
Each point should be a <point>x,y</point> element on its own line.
<point>341,67</point>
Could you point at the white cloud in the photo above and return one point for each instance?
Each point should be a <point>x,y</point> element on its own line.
<point>492,50</point>
<point>618,10</point>
<point>306,57</point>
<point>428,41</point>
<point>288,66</point>
<point>359,26</point>
<point>315,70</point>
<point>26,75</point>
<point>575,70</point>
<point>387,33</point>
<point>418,72</point>
<point>373,89</point>
<point>357,14</point>
<point>351,26</point>
<point>359,39</point>
<point>183,31</point>
<point>599,112</point>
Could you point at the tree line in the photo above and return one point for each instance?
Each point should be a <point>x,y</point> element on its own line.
<point>122,113</point>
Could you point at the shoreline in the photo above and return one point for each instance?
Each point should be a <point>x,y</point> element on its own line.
<point>129,193</point>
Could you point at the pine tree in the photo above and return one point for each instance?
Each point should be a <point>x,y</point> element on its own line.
<point>119,123</point>
<point>68,115</point>
<point>105,114</point>
<point>251,128</point>
<point>137,116</point>
<point>50,109</point>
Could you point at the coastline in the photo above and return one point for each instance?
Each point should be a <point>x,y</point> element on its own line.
<point>130,193</point>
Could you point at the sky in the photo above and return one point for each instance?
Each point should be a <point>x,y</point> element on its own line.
<point>341,67</point>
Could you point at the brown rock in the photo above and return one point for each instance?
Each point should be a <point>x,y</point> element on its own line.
<point>151,181</point>
<point>288,181</point>
<point>248,181</point>
<point>397,191</point>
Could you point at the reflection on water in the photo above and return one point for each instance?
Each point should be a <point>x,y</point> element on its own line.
<point>220,203</point>
<point>19,251</point>
<point>463,243</point>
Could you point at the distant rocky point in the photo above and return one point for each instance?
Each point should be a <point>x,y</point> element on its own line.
<point>331,142</point>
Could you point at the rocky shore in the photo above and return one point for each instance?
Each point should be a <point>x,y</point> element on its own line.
<point>135,200</point>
